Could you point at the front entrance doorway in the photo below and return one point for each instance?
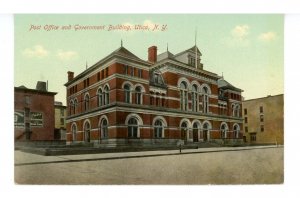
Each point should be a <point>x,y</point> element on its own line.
<point>87,132</point>
<point>195,132</point>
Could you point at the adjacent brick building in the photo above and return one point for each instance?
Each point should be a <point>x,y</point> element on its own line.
<point>263,120</point>
<point>123,100</point>
<point>60,121</point>
<point>34,113</point>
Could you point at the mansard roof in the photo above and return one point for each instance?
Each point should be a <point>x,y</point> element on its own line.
<point>191,50</point>
<point>223,84</point>
<point>165,55</point>
<point>125,52</point>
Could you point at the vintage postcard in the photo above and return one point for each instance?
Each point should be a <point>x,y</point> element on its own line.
<point>148,99</point>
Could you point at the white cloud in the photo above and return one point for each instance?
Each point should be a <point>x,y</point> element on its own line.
<point>36,51</point>
<point>240,32</point>
<point>267,36</point>
<point>66,55</point>
<point>149,23</point>
<point>238,37</point>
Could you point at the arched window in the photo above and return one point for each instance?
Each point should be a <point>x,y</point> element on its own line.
<point>205,100</point>
<point>133,128</point>
<point>235,110</point>
<point>183,130</point>
<point>71,107</point>
<point>87,131</point>
<point>236,131</point>
<point>138,95</point>
<point>74,132</point>
<point>106,95</point>
<point>183,96</point>
<point>104,129</point>
<point>75,106</point>
<point>224,130</point>
<point>127,89</point>
<point>86,102</point>
<point>100,97</point>
<point>194,98</point>
<point>158,129</point>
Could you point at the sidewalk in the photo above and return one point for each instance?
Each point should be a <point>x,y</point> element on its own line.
<point>23,158</point>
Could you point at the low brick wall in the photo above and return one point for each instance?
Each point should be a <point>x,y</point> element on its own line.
<point>41,143</point>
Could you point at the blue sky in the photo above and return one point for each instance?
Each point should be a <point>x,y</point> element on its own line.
<point>247,49</point>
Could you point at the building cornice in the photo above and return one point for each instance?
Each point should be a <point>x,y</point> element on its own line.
<point>147,109</point>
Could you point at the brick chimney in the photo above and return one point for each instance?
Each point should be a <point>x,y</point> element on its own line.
<point>70,75</point>
<point>152,54</point>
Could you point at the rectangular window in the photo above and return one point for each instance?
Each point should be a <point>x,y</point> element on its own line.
<point>125,69</point>
<point>151,100</point>
<point>163,102</point>
<point>246,120</point>
<point>253,137</point>
<point>262,128</point>
<point>62,112</point>
<point>102,74</point>
<point>27,100</point>
<point>88,82</point>
<point>140,73</point>
<point>261,109</point>
<point>106,72</point>
<point>261,118</point>
<point>245,111</point>
<point>62,121</point>
<point>27,111</point>
<point>246,129</point>
<point>131,71</point>
<point>158,101</point>
<point>98,76</point>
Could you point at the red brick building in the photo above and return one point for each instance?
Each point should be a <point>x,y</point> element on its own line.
<point>123,99</point>
<point>34,113</point>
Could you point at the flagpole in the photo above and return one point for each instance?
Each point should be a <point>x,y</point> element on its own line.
<point>196,58</point>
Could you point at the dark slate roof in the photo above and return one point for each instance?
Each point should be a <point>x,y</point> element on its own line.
<point>192,49</point>
<point>121,51</point>
<point>165,55</point>
<point>124,52</point>
<point>223,84</point>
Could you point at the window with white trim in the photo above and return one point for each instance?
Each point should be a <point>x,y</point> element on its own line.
<point>224,131</point>
<point>195,98</point>
<point>86,102</point>
<point>100,97</point>
<point>104,128</point>
<point>236,131</point>
<point>138,95</point>
<point>74,132</point>
<point>158,129</point>
<point>127,92</point>
<point>133,128</point>
<point>183,96</point>
<point>205,100</point>
<point>106,95</point>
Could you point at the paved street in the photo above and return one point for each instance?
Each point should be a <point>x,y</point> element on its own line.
<point>255,165</point>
